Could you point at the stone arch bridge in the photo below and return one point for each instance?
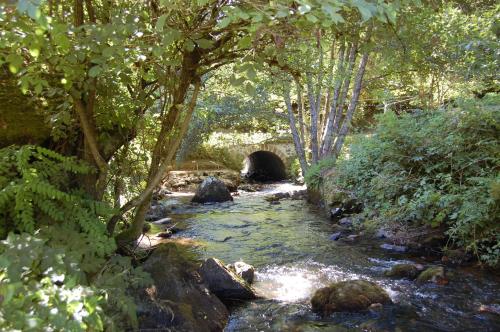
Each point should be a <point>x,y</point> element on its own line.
<point>269,160</point>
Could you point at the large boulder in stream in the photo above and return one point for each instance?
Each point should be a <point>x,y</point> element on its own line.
<point>177,300</point>
<point>212,190</point>
<point>225,283</point>
<point>350,295</point>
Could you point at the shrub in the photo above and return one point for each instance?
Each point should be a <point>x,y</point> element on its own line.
<point>58,267</point>
<point>436,168</point>
<point>314,175</point>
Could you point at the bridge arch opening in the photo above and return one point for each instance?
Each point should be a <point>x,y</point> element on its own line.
<point>264,166</point>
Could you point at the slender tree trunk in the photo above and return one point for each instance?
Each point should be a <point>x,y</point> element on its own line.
<point>339,142</point>
<point>300,103</point>
<point>327,133</point>
<point>314,119</point>
<point>339,114</point>
<point>328,98</point>
<point>299,147</point>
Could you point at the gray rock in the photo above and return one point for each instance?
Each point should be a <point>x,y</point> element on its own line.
<point>223,282</point>
<point>382,233</point>
<point>346,222</point>
<point>244,270</point>
<point>335,236</point>
<point>212,190</point>
<point>336,213</point>
<point>393,247</point>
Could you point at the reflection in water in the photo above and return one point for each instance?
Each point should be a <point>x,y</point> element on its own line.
<point>290,248</point>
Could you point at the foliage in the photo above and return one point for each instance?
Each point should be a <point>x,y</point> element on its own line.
<point>314,176</point>
<point>57,264</point>
<point>436,168</point>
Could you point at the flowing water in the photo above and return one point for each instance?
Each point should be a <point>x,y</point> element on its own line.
<point>290,248</point>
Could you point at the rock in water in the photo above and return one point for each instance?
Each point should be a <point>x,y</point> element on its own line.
<point>212,190</point>
<point>351,295</point>
<point>335,236</point>
<point>433,274</point>
<point>393,247</point>
<point>409,271</point>
<point>223,282</point>
<point>177,300</point>
<point>244,270</point>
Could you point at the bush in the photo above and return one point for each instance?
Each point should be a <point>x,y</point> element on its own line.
<point>436,168</point>
<point>58,267</point>
<point>314,175</point>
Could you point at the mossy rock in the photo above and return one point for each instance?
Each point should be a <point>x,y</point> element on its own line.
<point>409,271</point>
<point>177,300</point>
<point>351,295</point>
<point>434,274</point>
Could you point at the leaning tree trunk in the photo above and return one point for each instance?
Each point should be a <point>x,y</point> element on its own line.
<point>171,138</point>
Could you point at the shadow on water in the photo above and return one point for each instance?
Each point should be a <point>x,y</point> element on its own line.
<point>290,248</point>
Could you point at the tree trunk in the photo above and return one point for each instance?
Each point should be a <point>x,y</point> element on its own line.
<point>328,132</point>
<point>161,161</point>
<point>339,114</point>
<point>339,142</point>
<point>314,119</point>
<point>299,147</point>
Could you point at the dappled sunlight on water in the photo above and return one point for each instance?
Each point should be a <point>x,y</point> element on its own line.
<point>290,248</point>
<point>297,283</point>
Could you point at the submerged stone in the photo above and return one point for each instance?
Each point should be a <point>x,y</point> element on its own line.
<point>351,295</point>
<point>393,247</point>
<point>409,271</point>
<point>435,274</point>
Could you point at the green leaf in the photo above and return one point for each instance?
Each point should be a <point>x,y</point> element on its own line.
<point>224,22</point>
<point>95,71</point>
<point>205,43</point>
<point>15,62</point>
<point>160,23</point>
<point>189,45</point>
<point>251,74</point>
<point>245,42</point>
<point>303,9</point>
<point>366,9</point>
<point>250,89</point>
<point>311,18</point>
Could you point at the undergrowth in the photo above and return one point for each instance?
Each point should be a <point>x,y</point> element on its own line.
<point>438,168</point>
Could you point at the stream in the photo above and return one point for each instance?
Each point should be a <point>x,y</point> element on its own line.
<point>289,246</point>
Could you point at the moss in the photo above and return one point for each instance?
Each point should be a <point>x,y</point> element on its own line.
<point>409,271</point>
<point>432,274</point>
<point>352,295</point>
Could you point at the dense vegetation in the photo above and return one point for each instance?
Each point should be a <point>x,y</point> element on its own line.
<point>434,168</point>
<point>98,98</point>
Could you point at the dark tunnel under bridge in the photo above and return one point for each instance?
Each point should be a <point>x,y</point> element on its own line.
<point>264,166</point>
